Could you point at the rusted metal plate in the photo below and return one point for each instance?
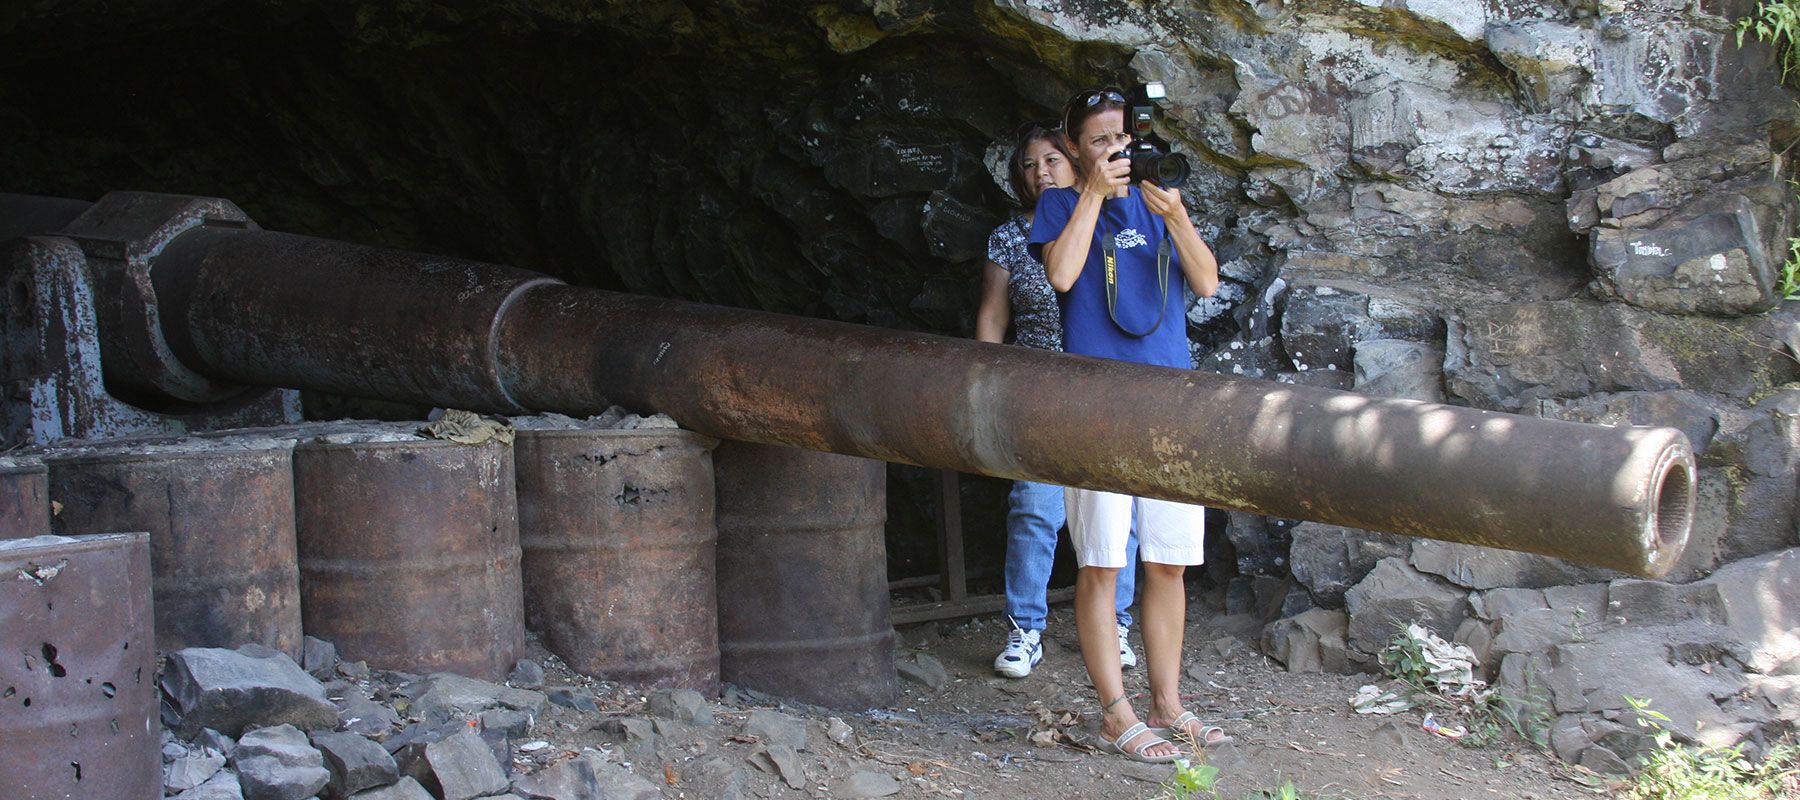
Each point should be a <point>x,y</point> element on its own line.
<point>78,703</point>
<point>409,553</point>
<point>803,607</point>
<point>220,514</point>
<point>617,541</point>
<point>24,499</point>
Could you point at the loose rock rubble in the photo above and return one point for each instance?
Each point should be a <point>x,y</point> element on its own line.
<point>251,724</point>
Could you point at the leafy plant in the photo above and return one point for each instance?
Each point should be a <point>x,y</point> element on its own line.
<point>1672,771</point>
<point>1778,23</point>
<point>1191,777</point>
<point>1788,286</point>
<point>1440,675</point>
<point>1404,660</point>
<point>1287,791</point>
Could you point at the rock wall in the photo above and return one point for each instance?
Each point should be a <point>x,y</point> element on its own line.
<point>1570,208</point>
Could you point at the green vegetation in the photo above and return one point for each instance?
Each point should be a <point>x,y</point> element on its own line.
<point>1778,23</point>
<point>1674,772</point>
<point>1452,693</point>
<point>1788,286</point>
<point>1191,778</point>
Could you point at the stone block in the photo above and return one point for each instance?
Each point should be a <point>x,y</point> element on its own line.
<point>227,690</point>
<point>1399,368</point>
<point>1312,641</point>
<point>1394,595</point>
<point>357,713</point>
<point>223,785</point>
<point>355,763</point>
<point>278,763</point>
<point>1260,543</point>
<point>1757,453</point>
<point>1761,601</point>
<point>404,789</point>
<point>923,669</point>
<point>1594,677</point>
<point>588,775</point>
<point>1551,58</point>
<point>1513,357</point>
<point>527,674</point>
<point>318,657</point>
<point>1643,603</point>
<point>1329,559</point>
<point>464,767</point>
<point>190,769</point>
<point>1323,320</point>
<point>1715,263</point>
<point>776,728</point>
<point>681,705</point>
<point>515,724</point>
<point>1476,567</point>
<point>579,698</point>
<point>447,696</point>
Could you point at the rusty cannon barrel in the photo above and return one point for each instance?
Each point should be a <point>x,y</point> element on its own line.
<point>241,306</point>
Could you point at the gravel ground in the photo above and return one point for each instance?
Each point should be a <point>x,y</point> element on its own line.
<point>978,735</point>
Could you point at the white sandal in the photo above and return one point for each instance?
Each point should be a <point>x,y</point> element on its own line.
<point>1137,753</point>
<point>1178,731</point>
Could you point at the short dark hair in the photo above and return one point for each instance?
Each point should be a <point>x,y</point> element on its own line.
<point>1089,102</point>
<point>1023,186</point>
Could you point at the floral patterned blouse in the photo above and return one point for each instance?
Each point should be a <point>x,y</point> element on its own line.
<point>1037,322</point>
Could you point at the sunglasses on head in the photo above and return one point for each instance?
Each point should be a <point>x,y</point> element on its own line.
<point>1089,99</point>
<point>1095,96</point>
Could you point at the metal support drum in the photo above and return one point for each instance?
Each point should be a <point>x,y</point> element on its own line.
<point>78,698</point>
<point>617,537</point>
<point>803,606</point>
<point>24,499</point>
<point>409,552</point>
<point>220,514</point>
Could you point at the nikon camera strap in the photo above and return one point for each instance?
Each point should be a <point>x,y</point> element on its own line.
<point>1109,252</point>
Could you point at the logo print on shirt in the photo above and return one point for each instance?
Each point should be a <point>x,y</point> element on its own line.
<point>1129,238</point>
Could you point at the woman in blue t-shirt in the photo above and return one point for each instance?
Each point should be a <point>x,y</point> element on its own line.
<point>1013,286</point>
<point>1118,254</point>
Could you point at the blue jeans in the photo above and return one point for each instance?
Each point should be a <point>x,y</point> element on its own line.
<point>1035,515</point>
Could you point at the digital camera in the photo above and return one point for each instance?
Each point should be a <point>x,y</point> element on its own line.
<point>1149,154</point>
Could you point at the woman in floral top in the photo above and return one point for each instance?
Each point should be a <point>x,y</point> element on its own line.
<point>1013,288</point>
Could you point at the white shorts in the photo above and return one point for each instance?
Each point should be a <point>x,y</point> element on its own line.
<point>1100,522</point>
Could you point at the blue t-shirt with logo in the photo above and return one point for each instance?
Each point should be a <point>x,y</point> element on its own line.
<point>1087,327</point>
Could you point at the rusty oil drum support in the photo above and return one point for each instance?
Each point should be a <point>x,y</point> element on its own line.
<point>409,552</point>
<point>617,552</point>
<point>24,499</point>
<point>220,515</point>
<point>270,309</point>
<point>803,575</point>
<point>78,711</point>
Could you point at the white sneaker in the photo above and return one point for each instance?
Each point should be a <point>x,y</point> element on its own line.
<point>1023,651</point>
<point>1127,656</point>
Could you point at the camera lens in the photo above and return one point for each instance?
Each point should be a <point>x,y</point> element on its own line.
<point>1170,170</point>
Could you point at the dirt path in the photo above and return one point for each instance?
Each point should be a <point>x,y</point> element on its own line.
<point>981,736</point>
<point>1287,727</point>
